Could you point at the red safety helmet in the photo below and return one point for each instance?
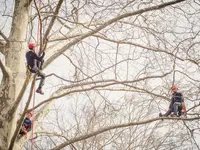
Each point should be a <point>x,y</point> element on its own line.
<point>31,45</point>
<point>174,88</point>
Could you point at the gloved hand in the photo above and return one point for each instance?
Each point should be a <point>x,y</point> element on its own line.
<point>185,115</point>
<point>43,53</point>
<point>41,64</point>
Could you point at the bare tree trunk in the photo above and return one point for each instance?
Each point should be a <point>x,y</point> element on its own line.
<point>12,83</point>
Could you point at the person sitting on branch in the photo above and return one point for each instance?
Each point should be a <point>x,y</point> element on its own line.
<point>27,125</point>
<point>177,105</point>
<point>34,65</point>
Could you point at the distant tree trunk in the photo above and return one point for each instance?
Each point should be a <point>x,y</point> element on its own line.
<point>13,81</point>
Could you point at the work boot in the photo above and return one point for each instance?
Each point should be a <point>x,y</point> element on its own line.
<point>39,90</point>
<point>174,115</point>
<point>160,115</point>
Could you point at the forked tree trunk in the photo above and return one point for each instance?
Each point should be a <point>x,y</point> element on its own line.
<point>15,63</point>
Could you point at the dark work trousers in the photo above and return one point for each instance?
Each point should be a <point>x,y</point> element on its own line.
<point>176,109</point>
<point>42,75</point>
<point>176,106</point>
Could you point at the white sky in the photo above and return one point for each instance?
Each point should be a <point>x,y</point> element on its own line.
<point>105,56</point>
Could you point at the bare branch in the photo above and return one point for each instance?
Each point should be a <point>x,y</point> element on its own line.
<point>39,25</point>
<point>187,75</point>
<point>139,45</point>
<point>65,38</point>
<point>197,105</point>
<point>22,116</point>
<point>103,70</point>
<point>19,97</point>
<point>4,37</point>
<point>111,21</point>
<point>75,65</point>
<point>79,87</point>
<point>52,22</point>
<point>192,135</point>
<point>28,3</point>
<point>136,89</point>
<point>53,74</point>
<point>94,133</point>
<point>2,46</point>
<point>55,134</point>
<point>4,69</point>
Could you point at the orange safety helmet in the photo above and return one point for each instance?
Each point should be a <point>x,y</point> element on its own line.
<point>31,45</point>
<point>174,88</point>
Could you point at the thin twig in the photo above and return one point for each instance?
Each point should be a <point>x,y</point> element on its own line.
<point>76,66</point>
<point>53,74</point>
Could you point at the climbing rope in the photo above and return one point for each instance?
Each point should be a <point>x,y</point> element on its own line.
<point>38,39</point>
<point>32,139</point>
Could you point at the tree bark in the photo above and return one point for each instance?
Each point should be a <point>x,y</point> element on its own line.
<point>12,84</point>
